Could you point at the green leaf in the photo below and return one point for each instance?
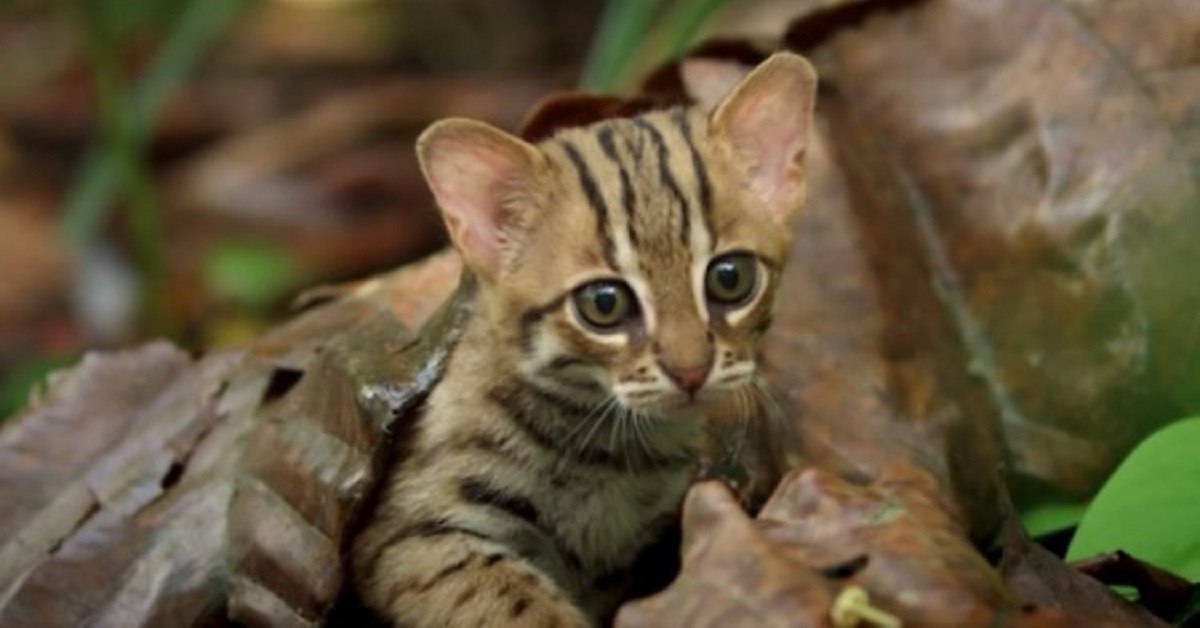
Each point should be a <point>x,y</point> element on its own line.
<point>254,273</point>
<point>684,21</point>
<point>17,384</point>
<point>635,34</point>
<point>197,26</point>
<point>623,25</point>
<point>1150,507</point>
<point>1050,517</point>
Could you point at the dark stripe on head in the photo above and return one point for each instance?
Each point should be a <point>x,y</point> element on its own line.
<point>605,136</point>
<point>685,129</point>
<point>588,182</point>
<point>668,179</point>
<point>480,491</point>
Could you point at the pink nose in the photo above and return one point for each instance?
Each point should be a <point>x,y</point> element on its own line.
<point>688,379</point>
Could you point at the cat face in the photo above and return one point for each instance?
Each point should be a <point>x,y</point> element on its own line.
<point>633,261</point>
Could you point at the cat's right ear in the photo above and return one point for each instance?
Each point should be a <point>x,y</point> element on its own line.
<point>766,121</point>
<point>481,178</point>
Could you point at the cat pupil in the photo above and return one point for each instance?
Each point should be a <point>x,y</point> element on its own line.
<point>727,276</point>
<point>606,300</point>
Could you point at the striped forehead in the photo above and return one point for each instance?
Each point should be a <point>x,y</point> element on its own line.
<point>649,190</point>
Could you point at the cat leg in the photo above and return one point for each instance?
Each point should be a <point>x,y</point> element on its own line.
<point>456,579</point>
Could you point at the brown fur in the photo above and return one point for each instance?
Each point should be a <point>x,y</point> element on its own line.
<point>552,451</point>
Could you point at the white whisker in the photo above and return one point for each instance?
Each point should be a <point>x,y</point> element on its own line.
<point>579,438</point>
<point>639,429</point>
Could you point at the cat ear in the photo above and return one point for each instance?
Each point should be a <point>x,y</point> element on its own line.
<point>480,177</point>
<point>766,121</point>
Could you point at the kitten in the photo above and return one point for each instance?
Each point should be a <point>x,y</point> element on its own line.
<point>625,272</point>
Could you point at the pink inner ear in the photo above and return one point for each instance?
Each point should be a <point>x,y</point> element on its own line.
<point>471,194</point>
<point>780,148</point>
<point>471,174</point>
<point>766,121</point>
<point>771,135</point>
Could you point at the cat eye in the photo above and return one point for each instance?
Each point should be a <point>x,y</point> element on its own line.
<point>604,305</point>
<point>731,279</point>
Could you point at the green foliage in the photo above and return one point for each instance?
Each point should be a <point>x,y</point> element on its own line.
<point>256,274</point>
<point>117,165</point>
<point>646,30</point>
<point>197,25</point>
<point>1150,507</point>
<point>1052,516</point>
<point>683,22</point>
<point>622,29</point>
<point>16,385</point>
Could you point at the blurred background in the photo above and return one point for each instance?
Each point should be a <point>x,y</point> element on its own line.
<point>183,168</point>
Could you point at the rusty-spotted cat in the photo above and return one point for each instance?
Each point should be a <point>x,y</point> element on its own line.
<point>626,271</point>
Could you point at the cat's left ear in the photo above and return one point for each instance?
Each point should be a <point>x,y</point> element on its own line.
<point>481,178</point>
<point>766,122</point>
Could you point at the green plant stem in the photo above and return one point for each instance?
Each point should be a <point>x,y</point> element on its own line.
<point>684,21</point>
<point>623,25</point>
<point>637,33</point>
<point>129,168</point>
<point>90,196</point>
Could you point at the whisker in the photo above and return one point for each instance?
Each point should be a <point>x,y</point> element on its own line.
<point>601,417</point>
<point>625,441</point>
<point>774,411</point>
<point>580,436</point>
<point>742,414</point>
<point>782,436</point>
<point>574,432</point>
<point>613,427</point>
<point>639,428</point>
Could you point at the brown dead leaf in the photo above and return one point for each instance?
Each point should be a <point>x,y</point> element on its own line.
<point>822,536</point>
<point>125,502</point>
<point>1025,170</point>
<point>1042,578</point>
<point>987,275</point>
<point>114,493</point>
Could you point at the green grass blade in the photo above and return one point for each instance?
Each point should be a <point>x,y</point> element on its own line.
<point>91,195</point>
<point>130,169</point>
<point>623,27</point>
<point>684,22</point>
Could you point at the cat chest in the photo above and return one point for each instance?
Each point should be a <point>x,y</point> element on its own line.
<point>606,518</point>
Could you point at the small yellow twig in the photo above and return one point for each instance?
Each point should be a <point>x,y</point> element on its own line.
<point>852,606</point>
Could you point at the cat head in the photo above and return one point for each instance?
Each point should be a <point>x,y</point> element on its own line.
<point>634,259</point>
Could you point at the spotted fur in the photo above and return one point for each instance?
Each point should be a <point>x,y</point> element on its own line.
<point>553,451</point>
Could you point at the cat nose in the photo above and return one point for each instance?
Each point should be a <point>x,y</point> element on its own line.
<point>689,379</point>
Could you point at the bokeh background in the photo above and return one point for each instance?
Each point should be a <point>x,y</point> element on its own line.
<point>183,168</point>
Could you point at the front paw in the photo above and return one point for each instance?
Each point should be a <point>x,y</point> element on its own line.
<point>454,581</point>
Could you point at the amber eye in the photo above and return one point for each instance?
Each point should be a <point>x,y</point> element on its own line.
<point>731,279</point>
<point>605,304</point>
